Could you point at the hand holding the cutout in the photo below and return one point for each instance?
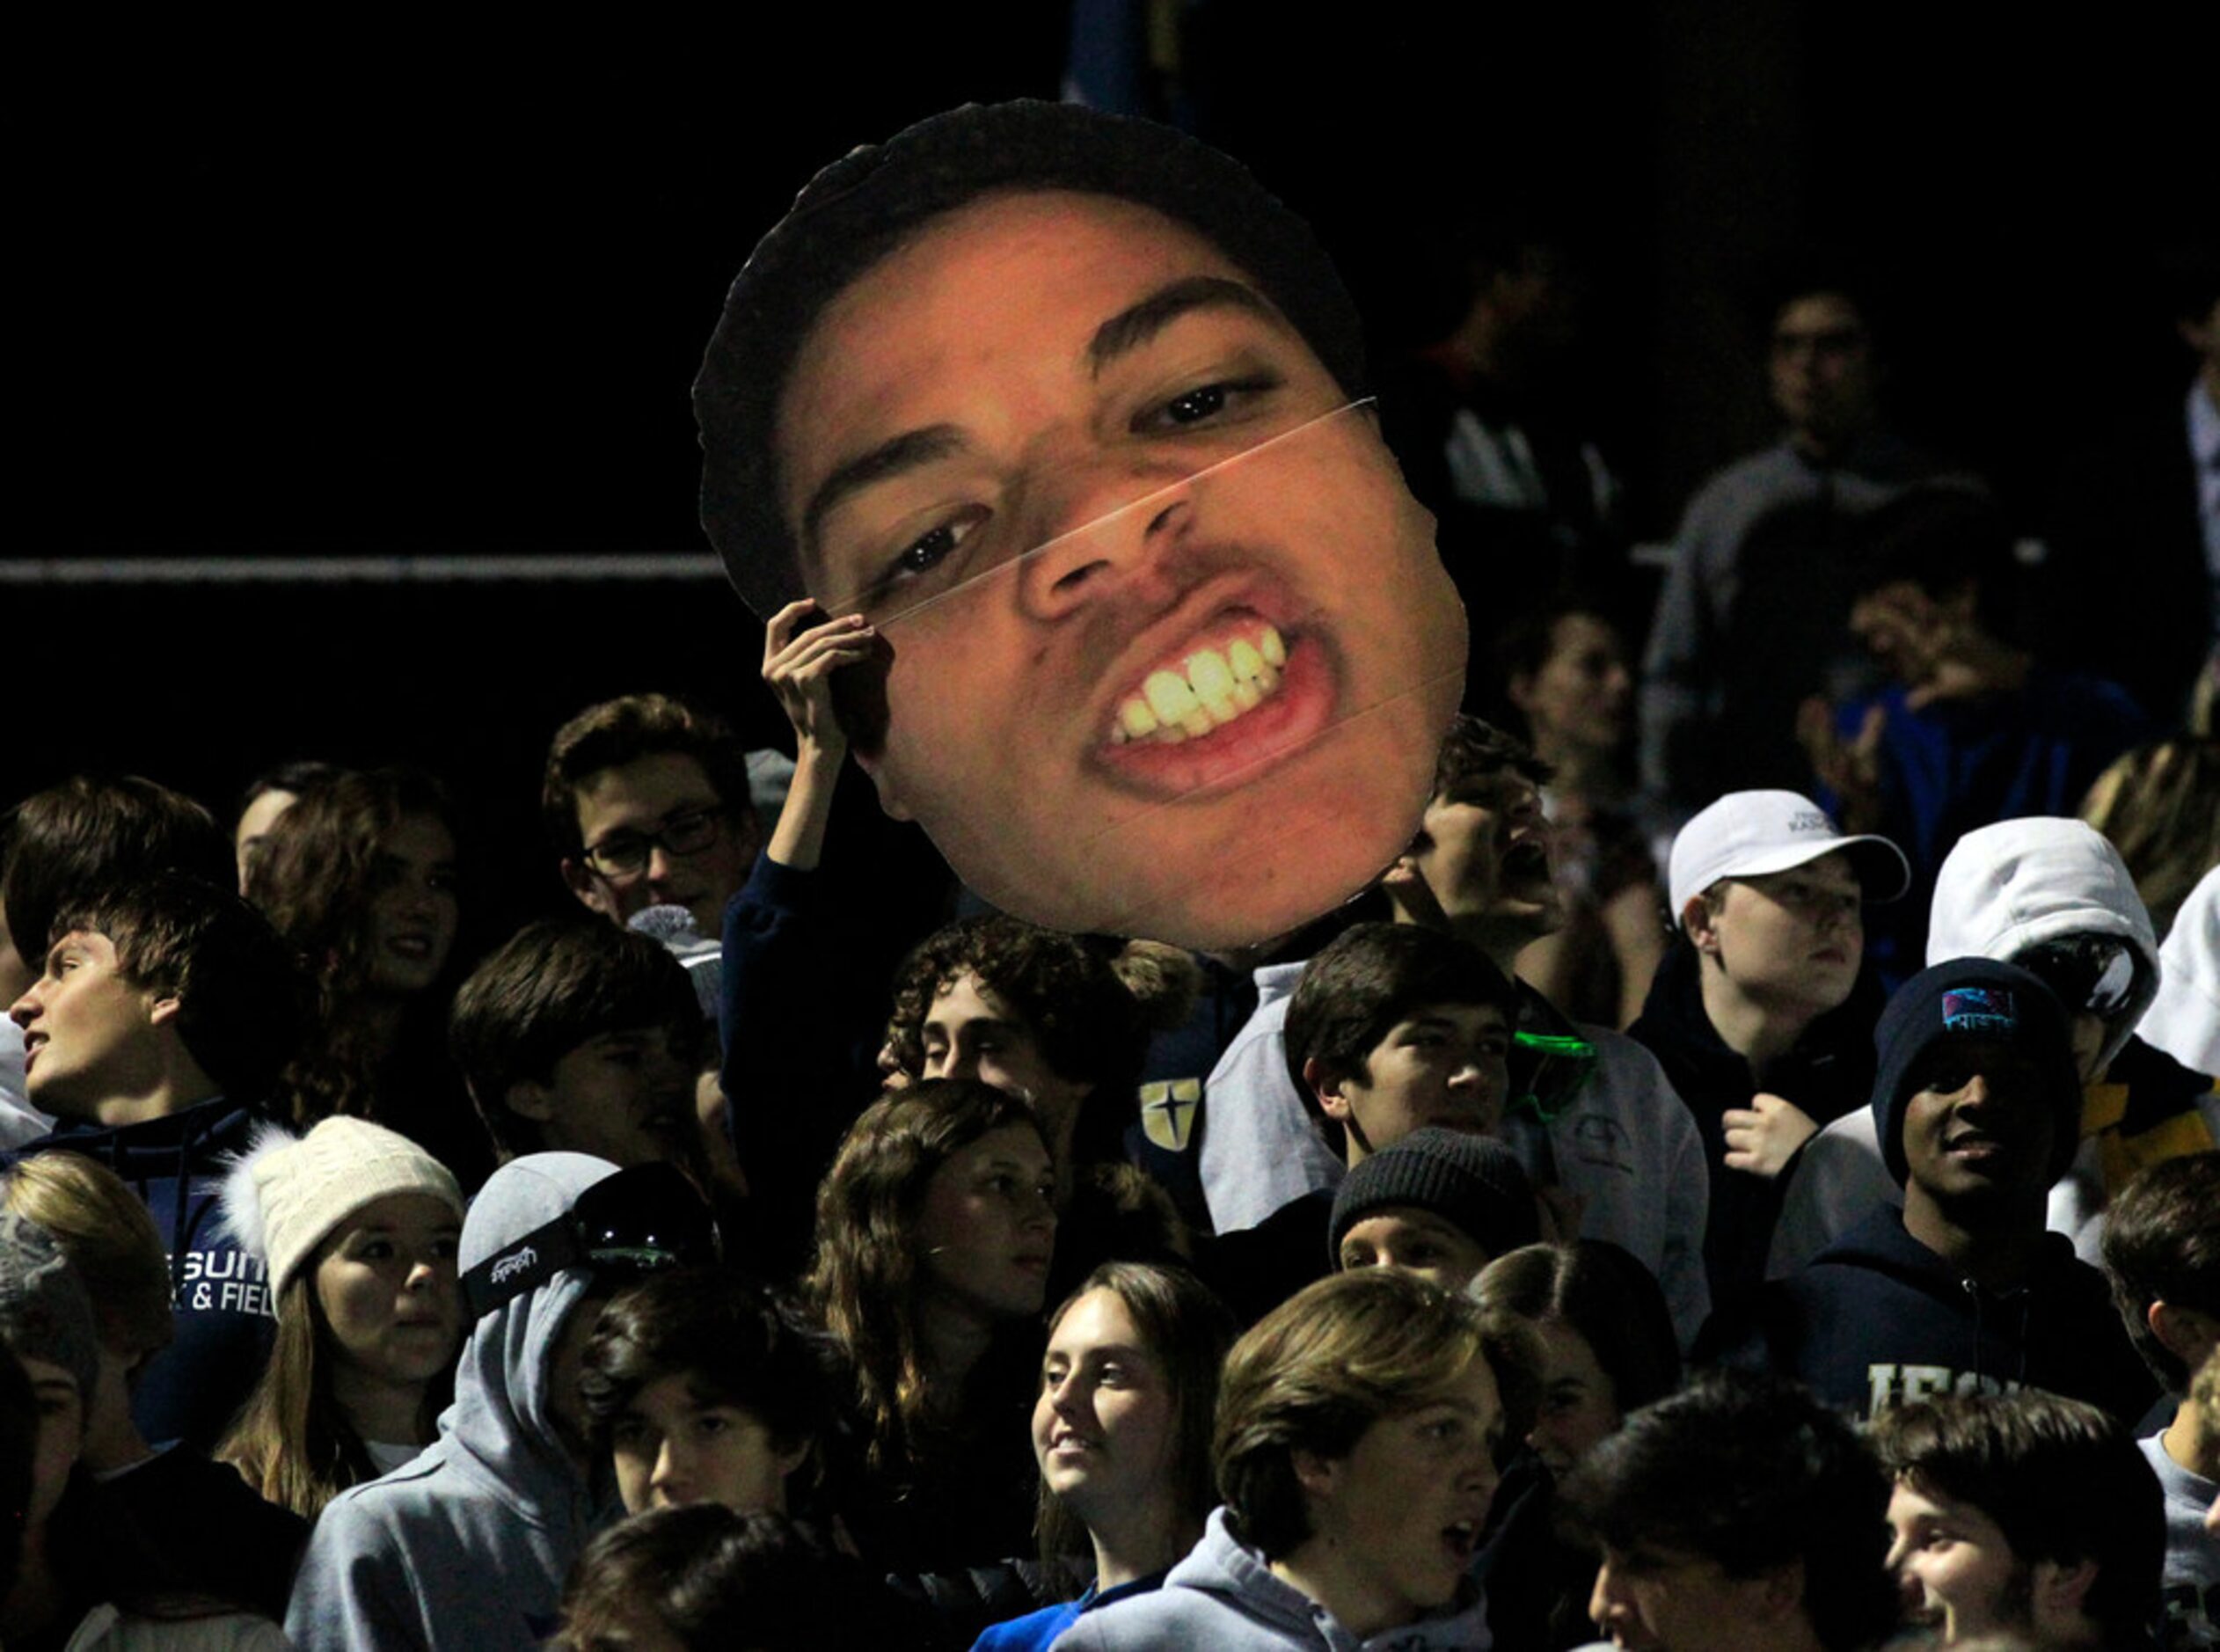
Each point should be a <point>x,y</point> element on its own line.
<point>800,659</point>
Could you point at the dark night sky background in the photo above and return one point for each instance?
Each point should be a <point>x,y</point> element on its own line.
<point>404,286</point>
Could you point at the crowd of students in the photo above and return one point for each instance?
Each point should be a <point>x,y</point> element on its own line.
<point>681,1278</point>
<point>321,1371</point>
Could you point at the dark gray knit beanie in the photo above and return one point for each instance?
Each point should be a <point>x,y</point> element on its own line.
<point>1473,1182</point>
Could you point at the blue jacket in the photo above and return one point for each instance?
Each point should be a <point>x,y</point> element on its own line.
<point>1037,1631</point>
<point>1960,764</point>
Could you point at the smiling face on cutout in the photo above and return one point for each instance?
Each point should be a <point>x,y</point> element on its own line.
<point>1172,652</point>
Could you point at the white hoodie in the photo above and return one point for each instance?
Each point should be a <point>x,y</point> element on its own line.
<point>2185,1019</point>
<point>2000,890</point>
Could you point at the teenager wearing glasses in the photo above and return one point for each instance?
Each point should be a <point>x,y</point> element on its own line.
<point>645,799</point>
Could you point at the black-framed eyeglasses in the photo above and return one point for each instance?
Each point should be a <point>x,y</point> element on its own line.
<point>642,1220</point>
<point>623,854</point>
<point>2095,973</point>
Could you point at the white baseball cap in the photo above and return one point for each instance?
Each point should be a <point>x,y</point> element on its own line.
<point>1748,834</point>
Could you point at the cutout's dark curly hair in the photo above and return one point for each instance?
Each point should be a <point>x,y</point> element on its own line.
<point>863,206</point>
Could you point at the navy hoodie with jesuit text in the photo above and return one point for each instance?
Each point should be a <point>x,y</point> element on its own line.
<point>1880,1321</point>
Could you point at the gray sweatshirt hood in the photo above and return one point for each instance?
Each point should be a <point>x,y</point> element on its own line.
<point>501,1430</point>
<point>2019,882</point>
<point>1252,1609</point>
<point>464,1547</point>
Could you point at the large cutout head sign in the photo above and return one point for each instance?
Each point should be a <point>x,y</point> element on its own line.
<point>1073,412</point>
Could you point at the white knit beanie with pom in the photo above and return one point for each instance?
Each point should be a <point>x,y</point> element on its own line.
<point>286,1194</point>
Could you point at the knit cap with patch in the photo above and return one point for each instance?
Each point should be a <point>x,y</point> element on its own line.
<point>1957,1002</point>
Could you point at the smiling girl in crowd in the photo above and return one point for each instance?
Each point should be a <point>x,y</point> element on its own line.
<point>935,1231</point>
<point>359,1228</point>
<point>359,875</point>
<point>1121,1431</point>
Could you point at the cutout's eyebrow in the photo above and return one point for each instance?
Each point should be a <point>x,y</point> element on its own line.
<point>890,458</point>
<point>1134,326</point>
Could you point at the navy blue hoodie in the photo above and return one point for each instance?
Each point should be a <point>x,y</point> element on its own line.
<point>176,1165</point>
<point>1880,1321</point>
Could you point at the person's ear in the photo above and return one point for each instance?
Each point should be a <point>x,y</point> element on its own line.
<point>1316,1474</point>
<point>1520,690</point>
<point>1328,1088</point>
<point>2059,1589</point>
<point>585,884</point>
<point>530,1099</point>
<point>162,1008</point>
<point>790,1455</point>
<point>2189,1334</point>
<point>1702,925</point>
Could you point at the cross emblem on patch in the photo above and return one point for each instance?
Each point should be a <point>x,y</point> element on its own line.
<point>1168,1108</point>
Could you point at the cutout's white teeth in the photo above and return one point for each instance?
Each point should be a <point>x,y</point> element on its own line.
<point>1170,698</point>
<point>1211,690</point>
<point>1210,676</point>
<point>1136,720</point>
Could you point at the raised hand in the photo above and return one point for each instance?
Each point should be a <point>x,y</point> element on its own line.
<point>800,659</point>
<point>1764,1136</point>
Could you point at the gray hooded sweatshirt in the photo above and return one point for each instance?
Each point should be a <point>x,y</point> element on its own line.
<point>466,1547</point>
<point>2001,890</point>
<point>1228,1598</point>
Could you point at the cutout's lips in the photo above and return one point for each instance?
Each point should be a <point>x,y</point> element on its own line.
<point>1225,673</point>
<point>1219,619</point>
